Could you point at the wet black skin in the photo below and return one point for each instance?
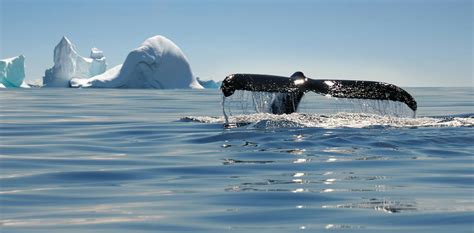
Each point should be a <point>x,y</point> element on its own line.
<point>294,88</point>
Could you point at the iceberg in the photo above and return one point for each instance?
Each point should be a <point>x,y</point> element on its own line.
<point>208,84</point>
<point>12,72</point>
<point>158,63</point>
<point>69,64</point>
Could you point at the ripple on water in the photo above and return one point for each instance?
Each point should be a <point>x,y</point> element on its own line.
<point>131,161</point>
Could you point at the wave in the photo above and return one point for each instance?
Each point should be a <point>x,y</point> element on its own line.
<point>338,120</point>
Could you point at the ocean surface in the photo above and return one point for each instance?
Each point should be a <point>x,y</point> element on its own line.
<point>109,160</point>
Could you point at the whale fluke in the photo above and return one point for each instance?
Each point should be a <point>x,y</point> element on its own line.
<point>298,84</point>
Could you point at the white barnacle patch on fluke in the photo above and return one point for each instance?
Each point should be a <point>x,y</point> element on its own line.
<point>299,81</point>
<point>329,83</point>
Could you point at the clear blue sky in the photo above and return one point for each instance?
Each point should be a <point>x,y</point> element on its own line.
<point>405,42</point>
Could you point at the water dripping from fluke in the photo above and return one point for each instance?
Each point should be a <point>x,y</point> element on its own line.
<point>250,102</point>
<point>290,90</point>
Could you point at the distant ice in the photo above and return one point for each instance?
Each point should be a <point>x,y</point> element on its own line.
<point>157,63</point>
<point>69,64</point>
<point>96,53</point>
<point>12,72</point>
<point>208,84</point>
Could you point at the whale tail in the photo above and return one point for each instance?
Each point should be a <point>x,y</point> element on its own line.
<point>293,88</point>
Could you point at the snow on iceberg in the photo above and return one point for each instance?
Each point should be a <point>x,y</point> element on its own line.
<point>69,64</point>
<point>12,72</point>
<point>157,63</point>
<point>208,84</point>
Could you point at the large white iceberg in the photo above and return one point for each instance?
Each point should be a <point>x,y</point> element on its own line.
<point>12,72</point>
<point>69,64</point>
<point>157,63</point>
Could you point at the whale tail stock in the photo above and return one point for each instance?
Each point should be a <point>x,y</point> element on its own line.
<point>294,87</point>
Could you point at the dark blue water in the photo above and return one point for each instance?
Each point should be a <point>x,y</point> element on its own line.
<point>89,160</point>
